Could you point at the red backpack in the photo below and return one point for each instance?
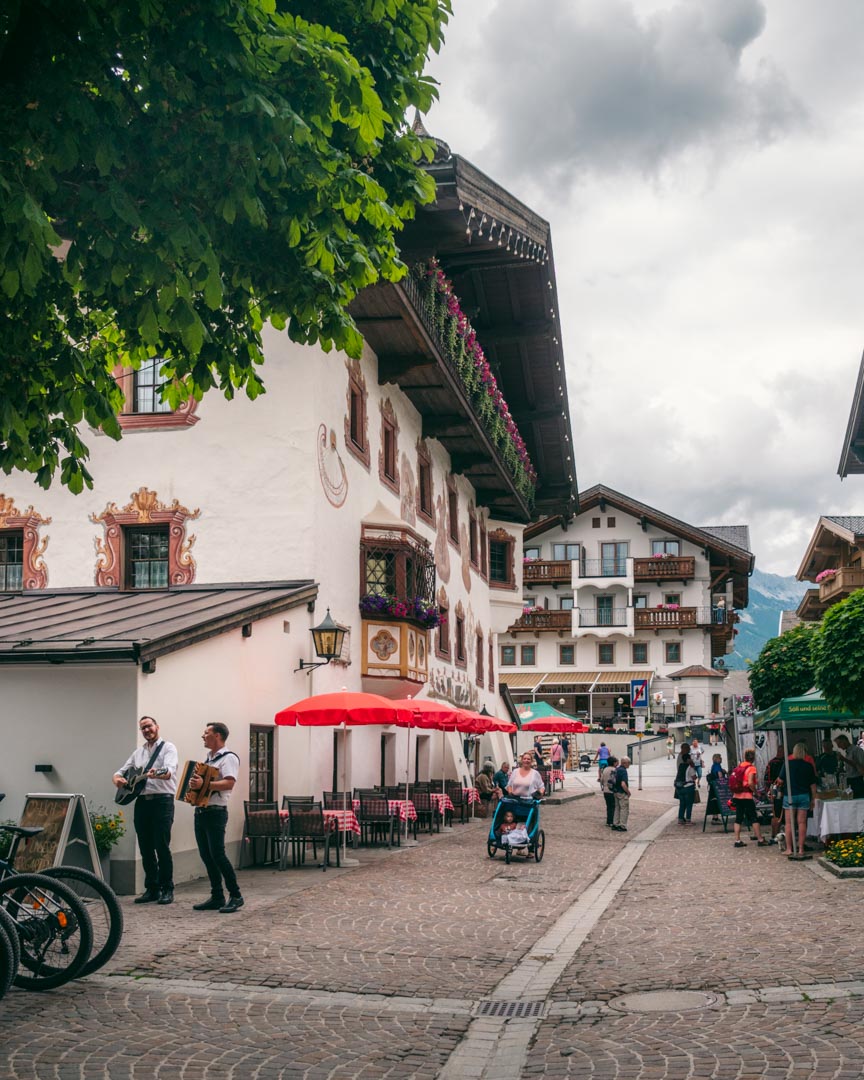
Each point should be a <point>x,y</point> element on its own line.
<point>736,778</point>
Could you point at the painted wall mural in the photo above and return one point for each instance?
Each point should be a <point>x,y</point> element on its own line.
<point>144,508</point>
<point>331,470</point>
<point>408,498</point>
<point>34,572</point>
<point>442,544</point>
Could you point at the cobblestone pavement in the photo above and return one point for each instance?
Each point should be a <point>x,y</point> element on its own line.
<point>377,971</point>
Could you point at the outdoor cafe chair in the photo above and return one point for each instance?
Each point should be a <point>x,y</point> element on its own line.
<point>302,800</point>
<point>262,823</point>
<point>395,791</point>
<point>309,826</point>
<point>427,811</point>
<point>375,819</point>
<point>338,800</point>
<point>457,797</point>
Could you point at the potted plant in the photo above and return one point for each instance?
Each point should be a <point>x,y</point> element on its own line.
<point>108,827</point>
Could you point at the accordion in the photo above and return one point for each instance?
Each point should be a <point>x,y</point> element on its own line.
<point>201,796</point>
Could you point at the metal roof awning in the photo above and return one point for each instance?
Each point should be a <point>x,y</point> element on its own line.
<point>109,626</point>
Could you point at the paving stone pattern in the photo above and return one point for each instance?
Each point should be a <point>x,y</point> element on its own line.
<point>375,972</point>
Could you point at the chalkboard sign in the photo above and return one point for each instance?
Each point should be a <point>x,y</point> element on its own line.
<point>717,804</point>
<point>66,838</point>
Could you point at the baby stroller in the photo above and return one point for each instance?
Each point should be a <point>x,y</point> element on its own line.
<point>584,762</point>
<point>525,812</point>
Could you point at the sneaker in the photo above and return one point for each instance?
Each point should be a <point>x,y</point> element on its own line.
<point>166,896</point>
<point>739,843</point>
<point>149,896</point>
<point>213,904</point>
<point>234,904</point>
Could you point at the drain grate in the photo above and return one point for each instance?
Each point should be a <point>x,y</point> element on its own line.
<point>511,1010</point>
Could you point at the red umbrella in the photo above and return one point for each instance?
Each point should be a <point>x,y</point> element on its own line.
<point>494,723</point>
<point>342,709</point>
<point>552,723</point>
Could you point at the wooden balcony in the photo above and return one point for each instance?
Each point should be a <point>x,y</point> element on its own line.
<point>845,581</point>
<point>544,620</point>
<point>811,606</point>
<point>665,618</point>
<point>547,572</point>
<point>673,568</point>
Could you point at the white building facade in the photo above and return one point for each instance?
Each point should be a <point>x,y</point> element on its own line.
<point>185,584</point>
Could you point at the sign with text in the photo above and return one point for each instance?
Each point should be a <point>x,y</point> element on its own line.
<point>66,838</point>
<point>640,725</point>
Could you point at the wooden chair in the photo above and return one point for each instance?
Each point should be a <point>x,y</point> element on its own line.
<point>308,825</point>
<point>375,819</point>
<point>427,811</point>
<point>457,797</point>
<point>262,822</point>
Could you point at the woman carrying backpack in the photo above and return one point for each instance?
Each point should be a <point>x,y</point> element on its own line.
<point>685,786</point>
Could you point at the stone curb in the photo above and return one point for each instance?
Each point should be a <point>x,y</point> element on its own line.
<point>841,871</point>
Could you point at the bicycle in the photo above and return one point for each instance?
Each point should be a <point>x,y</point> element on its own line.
<point>99,900</point>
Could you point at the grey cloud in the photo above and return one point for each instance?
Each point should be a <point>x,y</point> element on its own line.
<point>592,87</point>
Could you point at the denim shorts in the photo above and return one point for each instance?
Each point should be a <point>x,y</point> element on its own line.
<point>797,802</point>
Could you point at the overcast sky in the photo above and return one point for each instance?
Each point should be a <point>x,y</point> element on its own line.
<point>701,164</point>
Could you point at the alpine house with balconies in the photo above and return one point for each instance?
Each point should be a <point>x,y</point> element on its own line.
<point>624,592</point>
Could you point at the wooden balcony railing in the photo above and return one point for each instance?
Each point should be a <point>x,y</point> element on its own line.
<point>844,581</point>
<point>540,571</point>
<point>671,568</point>
<point>665,618</point>
<point>544,620</point>
<point>811,607</point>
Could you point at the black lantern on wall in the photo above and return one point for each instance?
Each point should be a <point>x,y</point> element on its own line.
<point>328,638</point>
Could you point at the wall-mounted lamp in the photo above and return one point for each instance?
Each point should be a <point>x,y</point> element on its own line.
<point>327,637</point>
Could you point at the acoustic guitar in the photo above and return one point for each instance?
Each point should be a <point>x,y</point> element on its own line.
<point>135,781</point>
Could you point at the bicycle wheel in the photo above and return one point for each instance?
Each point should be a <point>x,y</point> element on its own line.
<point>8,967</point>
<point>102,906</point>
<point>54,930</point>
<point>7,923</point>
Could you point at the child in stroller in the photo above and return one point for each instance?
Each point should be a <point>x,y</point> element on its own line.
<point>516,828</point>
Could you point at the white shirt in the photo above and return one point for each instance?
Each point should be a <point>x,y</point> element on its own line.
<point>696,754</point>
<point>228,764</point>
<point>166,760</point>
<point>525,785</point>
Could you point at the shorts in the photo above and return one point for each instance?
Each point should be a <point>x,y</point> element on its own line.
<point>797,802</point>
<point>745,811</point>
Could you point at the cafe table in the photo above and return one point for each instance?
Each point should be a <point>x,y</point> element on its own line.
<point>471,794</point>
<point>400,808</point>
<point>836,817</point>
<point>341,820</point>
<point>442,801</point>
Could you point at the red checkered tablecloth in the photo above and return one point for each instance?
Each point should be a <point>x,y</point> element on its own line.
<point>557,774</point>
<point>471,794</point>
<point>444,802</point>
<point>405,811</point>
<point>345,820</point>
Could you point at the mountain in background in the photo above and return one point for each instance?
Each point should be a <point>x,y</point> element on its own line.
<point>769,595</point>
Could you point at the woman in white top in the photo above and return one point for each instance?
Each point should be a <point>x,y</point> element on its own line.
<point>525,781</point>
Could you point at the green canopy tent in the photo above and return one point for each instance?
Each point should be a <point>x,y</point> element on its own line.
<point>541,716</point>
<point>802,713</point>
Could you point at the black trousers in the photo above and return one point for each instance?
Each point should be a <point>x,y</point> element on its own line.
<point>610,807</point>
<point>153,820</point>
<point>210,825</point>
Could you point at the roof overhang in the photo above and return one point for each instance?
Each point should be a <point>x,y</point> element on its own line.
<point>852,454</point>
<point>98,626</point>
<point>498,254</point>
<point>825,545</point>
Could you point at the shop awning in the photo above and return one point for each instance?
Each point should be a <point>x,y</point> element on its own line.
<point>622,678</point>
<point>520,680</point>
<point>803,713</point>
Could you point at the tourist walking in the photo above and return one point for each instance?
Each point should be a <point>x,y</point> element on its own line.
<point>622,796</point>
<point>742,784</point>
<point>154,811</point>
<point>685,786</point>
<point>799,798</point>
<point>670,747</point>
<point>603,754</point>
<point>696,757</point>
<point>607,787</point>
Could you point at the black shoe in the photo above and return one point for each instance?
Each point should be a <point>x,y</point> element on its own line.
<point>234,904</point>
<point>166,896</point>
<point>149,896</point>
<point>213,904</point>
<point>622,828</point>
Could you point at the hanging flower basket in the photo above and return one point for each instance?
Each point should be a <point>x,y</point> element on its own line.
<point>416,610</point>
<point>459,339</point>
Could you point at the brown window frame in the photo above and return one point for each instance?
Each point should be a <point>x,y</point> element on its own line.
<point>129,533</point>
<point>388,457</point>
<point>425,485</point>
<point>506,649</point>
<point>566,663</point>
<point>460,655</point>
<point>634,645</point>
<point>356,416</point>
<point>473,552</point>
<point>523,649</point>
<point>452,513</point>
<point>266,733</point>
<point>667,645</point>
<point>601,646</point>
<point>484,551</point>
<point>491,644</point>
<point>507,543</point>
<point>480,644</point>
<point>18,537</point>
<point>442,634</point>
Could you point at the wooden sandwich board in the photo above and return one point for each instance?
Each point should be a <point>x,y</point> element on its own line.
<point>66,838</point>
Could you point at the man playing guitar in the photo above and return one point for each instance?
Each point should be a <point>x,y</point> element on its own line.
<point>154,812</point>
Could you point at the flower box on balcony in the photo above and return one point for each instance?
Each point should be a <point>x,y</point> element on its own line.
<point>416,611</point>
